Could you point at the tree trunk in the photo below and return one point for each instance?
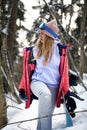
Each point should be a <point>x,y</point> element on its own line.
<point>3,111</point>
<point>12,29</point>
<point>83,61</point>
<point>10,43</point>
<point>7,67</point>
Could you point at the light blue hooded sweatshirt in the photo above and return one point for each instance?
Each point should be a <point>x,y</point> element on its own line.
<point>48,74</point>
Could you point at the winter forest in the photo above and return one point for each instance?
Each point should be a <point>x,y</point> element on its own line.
<point>71,18</point>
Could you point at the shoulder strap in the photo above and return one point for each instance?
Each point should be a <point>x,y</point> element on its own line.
<point>31,57</point>
<point>61,48</point>
<point>29,48</point>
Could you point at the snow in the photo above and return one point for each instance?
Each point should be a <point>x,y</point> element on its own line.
<point>26,119</point>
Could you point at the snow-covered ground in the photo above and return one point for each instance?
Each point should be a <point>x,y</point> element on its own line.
<point>18,113</point>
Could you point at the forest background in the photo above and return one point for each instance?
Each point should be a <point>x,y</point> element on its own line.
<point>72,22</point>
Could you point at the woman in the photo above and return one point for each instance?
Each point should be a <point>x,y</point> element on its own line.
<point>46,77</point>
<point>45,80</point>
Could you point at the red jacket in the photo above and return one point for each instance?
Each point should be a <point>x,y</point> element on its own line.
<point>27,73</point>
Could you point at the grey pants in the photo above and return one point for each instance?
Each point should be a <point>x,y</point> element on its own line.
<point>47,99</point>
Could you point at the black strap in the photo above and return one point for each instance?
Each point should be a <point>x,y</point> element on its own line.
<point>31,57</point>
<point>61,46</point>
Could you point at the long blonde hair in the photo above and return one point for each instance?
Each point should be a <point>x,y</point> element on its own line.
<point>45,49</point>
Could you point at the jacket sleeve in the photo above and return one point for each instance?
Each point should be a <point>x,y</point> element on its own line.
<point>64,81</point>
<point>23,81</point>
<point>26,76</point>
